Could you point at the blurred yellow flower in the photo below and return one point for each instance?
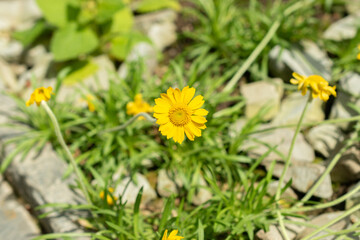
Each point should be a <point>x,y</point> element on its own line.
<point>176,112</point>
<point>358,55</point>
<point>172,235</point>
<point>40,94</point>
<point>138,106</point>
<point>109,198</point>
<point>90,102</point>
<point>318,85</point>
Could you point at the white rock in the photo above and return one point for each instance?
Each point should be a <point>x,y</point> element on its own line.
<point>7,76</point>
<point>236,127</point>
<point>203,194</point>
<point>262,94</point>
<point>165,185</point>
<point>14,12</point>
<point>353,200</point>
<point>272,234</point>
<point>10,50</point>
<point>281,139</point>
<point>307,60</point>
<point>35,55</point>
<point>323,219</point>
<point>324,138</point>
<point>304,176</point>
<point>347,169</point>
<point>289,194</point>
<point>133,189</point>
<point>293,106</point>
<point>350,86</point>
<point>342,29</point>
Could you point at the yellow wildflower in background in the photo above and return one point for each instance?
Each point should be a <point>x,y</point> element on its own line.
<point>176,112</point>
<point>318,85</point>
<point>40,94</point>
<point>138,106</point>
<point>172,235</point>
<point>109,197</point>
<point>358,55</point>
<point>90,102</point>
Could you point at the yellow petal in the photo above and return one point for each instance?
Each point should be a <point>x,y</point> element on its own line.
<point>193,129</point>
<point>161,109</point>
<point>198,119</point>
<point>188,94</point>
<point>173,233</point>
<point>166,98</point>
<point>165,235</point>
<point>170,94</point>
<point>177,95</point>
<point>189,134</point>
<point>201,112</point>
<point>298,76</point>
<point>163,120</point>
<point>294,81</point>
<point>196,103</point>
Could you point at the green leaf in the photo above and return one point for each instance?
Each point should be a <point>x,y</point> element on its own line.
<point>79,71</point>
<point>58,12</point>
<point>154,5</point>
<point>27,37</point>
<point>71,41</point>
<point>107,8</point>
<point>122,44</point>
<point>123,21</point>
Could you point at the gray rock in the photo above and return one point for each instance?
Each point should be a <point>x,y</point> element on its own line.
<point>342,29</point>
<point>15,220</point>
<point>165,185</point>
<point>281,139</point>
<point>262,94</point>
<point>353,200</point>
<point>10,50</point>
<point>144,52</point>
<point>159,26</point>
<point>38,71</point>
<point>352,6</point>
<point>347,168</point>
<point>324,138</point>
<point>307,59</point>
<point>236,127</point>
<point>289,194</point>
<point>304,176</point>
<point>324,219</point>
<point>39,180</point>
<point>7,76</point>
<point>133,189</point>
<point>272,234</point>
<point>203,194</point>
<point>349,93</point>
<point>14,12</point>
<point>35,55</point>
<point>293,106</point>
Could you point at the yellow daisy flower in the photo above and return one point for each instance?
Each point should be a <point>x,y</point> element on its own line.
<point>138,106</point>
<point>176,112</point>
<point>40,94</point>
<point>109,197</point>
<point>90,101</point>
<point>318,85</point>
<point>172,235</point>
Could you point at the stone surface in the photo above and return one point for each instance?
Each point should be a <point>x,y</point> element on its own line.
<point>10,50</point>
<point>262,94</point>
<point>347,169</point>
<point>39,180</point>
<point>324,219</point>
<point>304,176</point>
<point>272,234</point>
<point>203,194</point>
<point>133,189</point>
<point>281,139</point>
<point>292,107</point>
<point>306,59</point>
<point>343,29</point>
<point>289,194</point>
<point>324,138</point>
<point>159,26</point>
<point>15,220</point>
<point>15,12</point>
<point>165,185</point>
<point>7,76</point>
<point>144,52</point>
<point>353,200</point>
<point>349,93</point>
<point>236,127</point>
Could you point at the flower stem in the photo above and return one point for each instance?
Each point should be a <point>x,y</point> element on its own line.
<point>287,164</point>
<point>332,164</point>
<point>282,226</point>
<point>348,212</point>
<point>131,120</point>
<point>65,147</point>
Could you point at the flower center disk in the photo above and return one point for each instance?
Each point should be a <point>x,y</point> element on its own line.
<point>179,115</point>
